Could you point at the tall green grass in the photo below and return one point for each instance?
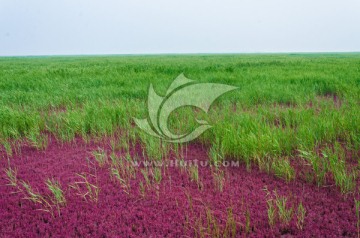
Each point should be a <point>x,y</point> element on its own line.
<point>285,102</point>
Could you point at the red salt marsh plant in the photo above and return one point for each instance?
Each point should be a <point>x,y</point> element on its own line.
<point>36,197</point>
<point>46,202</point>
<point>28,192</point>
<point>162,214</point>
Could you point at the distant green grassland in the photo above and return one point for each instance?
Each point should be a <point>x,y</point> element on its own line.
<point>285,103</point>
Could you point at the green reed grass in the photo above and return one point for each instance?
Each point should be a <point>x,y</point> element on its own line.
<point>285,103</point>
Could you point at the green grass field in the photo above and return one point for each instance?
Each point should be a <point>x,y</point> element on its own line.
<point>287,107</point>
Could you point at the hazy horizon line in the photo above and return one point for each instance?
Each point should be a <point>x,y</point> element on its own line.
<point>187,53</point>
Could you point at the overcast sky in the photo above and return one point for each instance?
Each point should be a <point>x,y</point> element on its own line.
<point>50,27</point>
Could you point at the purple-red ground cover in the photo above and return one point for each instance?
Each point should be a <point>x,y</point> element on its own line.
<point>176,207</point>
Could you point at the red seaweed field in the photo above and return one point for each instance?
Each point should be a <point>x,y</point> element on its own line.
<point>178,205</point>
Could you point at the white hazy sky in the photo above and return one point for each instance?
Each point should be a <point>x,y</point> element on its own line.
<point>50,27</point>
